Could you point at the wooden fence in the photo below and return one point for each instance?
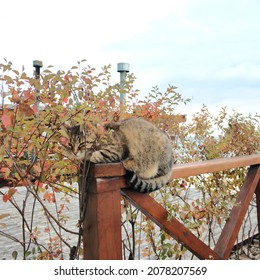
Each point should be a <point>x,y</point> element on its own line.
<point>102,237</point>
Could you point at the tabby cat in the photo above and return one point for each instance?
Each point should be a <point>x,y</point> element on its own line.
<point>144,150</point>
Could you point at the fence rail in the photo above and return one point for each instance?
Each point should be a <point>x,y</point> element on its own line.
<point>106,183</point>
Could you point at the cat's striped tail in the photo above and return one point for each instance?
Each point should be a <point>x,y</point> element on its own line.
<point>146,185</point>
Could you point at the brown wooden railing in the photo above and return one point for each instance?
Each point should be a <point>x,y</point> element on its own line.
<point>102,221</point>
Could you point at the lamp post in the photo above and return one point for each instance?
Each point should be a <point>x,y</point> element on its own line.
<point>37,64</point>
<point>123,68</point>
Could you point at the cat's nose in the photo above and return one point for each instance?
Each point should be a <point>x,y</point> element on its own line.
<point>75,152</point>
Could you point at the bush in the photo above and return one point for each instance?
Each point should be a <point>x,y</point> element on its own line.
<point>33,154</point>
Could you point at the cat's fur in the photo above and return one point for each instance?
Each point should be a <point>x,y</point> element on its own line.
<point>144,150</point>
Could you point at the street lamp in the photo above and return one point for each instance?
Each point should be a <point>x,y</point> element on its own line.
<point>37,64</point>
<point>123,68</point>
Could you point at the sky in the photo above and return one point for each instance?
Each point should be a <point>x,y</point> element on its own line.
<point>209,49</point>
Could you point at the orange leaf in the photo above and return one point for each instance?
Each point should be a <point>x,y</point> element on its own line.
<point>9,194</point>
<point>64,141</point>
<point>49,197</point>
<point>5,197</point>
<point>26,109</point>
<point>5,172</point>
<point>46,230</point>
<point>7,121</point>
<point>35,109</point>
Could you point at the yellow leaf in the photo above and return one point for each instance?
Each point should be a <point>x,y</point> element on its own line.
<point>2,225</point>
<point>2,216</point>
<point>2,152</point>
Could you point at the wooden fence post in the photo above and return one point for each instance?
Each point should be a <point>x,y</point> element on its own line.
<point>257,193</point>
<point>230,231</point>
<point>102,237</point>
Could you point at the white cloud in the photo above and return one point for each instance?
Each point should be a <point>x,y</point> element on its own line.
<point>208,49</point>
<point>60,32</point>
<point>245,71</point>
<point>244,100</point>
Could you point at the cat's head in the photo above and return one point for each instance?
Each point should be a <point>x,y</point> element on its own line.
<point>81,141</point>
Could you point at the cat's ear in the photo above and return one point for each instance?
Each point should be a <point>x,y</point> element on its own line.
<point>67,130</point>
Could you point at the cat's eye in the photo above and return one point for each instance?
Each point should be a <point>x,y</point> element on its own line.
<point>83,145</point>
